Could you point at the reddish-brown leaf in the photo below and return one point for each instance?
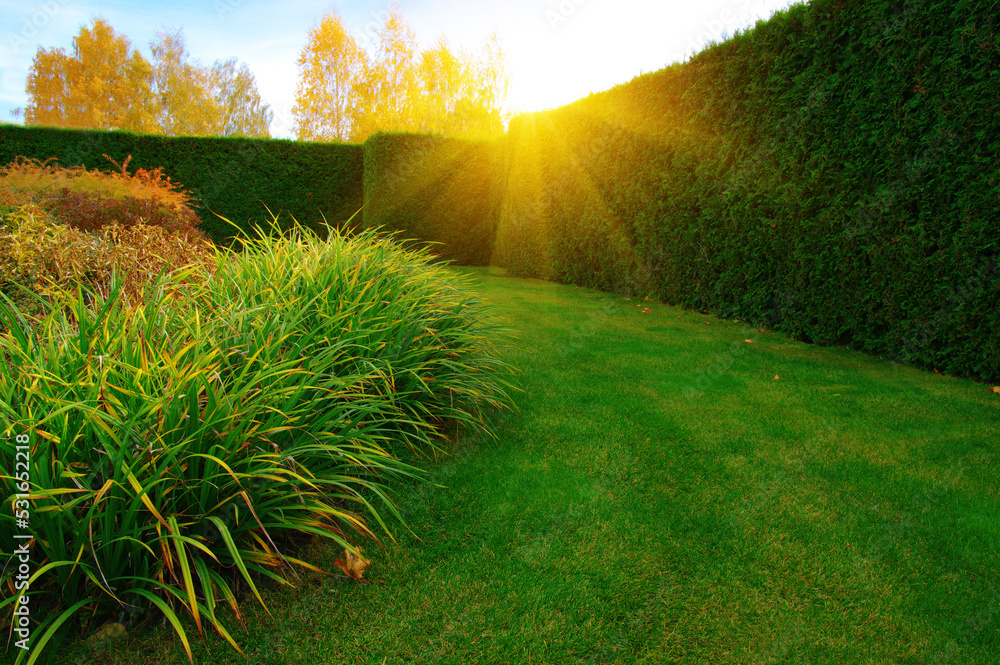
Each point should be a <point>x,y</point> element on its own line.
<point>352,565</point>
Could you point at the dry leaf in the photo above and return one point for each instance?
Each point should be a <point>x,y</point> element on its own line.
<point>995,389</point>
<point>645,311</point>
<point>775,377</point>
<point>353,565</point>
<point>107,632</point>
<point>708,323</point>
<point>748,341</point>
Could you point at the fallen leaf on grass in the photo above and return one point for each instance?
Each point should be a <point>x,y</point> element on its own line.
<point>645,311</point>
<point>108,631</point>
<point>707,323</point>
<point>352,565</point>
<point>775,377</point>
<point>748,341</point>
<point>995,389</point>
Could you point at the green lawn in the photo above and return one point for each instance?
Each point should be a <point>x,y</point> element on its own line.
<point>670,493</point>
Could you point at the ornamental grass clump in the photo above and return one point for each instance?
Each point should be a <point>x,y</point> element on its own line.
<point>182,444</point>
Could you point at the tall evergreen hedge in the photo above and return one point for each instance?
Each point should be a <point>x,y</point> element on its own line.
<point>439,190</point>
<point>237,178</point>
<point>834,171</point>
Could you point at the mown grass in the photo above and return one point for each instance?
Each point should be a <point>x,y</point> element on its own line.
<point>662,497</point>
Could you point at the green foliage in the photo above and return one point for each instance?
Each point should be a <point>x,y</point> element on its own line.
<point>832,171</point>
<point>237,178</point>
<point>568,211</point>
<point>662,499</point>
<point>181,443</point>
<point>437,190</point>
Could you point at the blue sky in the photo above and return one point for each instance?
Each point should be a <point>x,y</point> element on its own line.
<point>557,50</point>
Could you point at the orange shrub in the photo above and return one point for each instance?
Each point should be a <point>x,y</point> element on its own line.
<point>90,200</point>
